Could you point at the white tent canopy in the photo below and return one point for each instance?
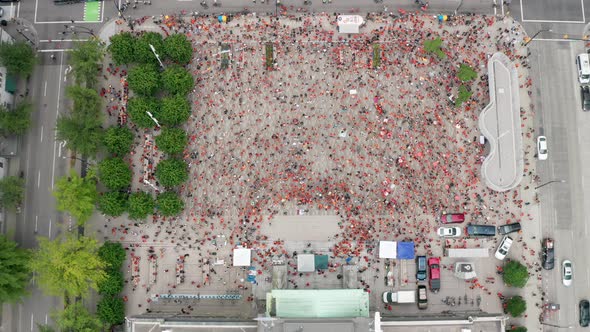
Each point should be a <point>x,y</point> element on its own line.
<point>387,249</point>
<point>242,256</point>
<point>350,23</point>
<point>305,262</point>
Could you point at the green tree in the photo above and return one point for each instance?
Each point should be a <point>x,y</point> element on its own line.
<point>69,266</point>
<point>169,204</point>
<point>16,121</point>
<point>515,274</point>
<point>85,58</point>
<point>143,53</point>
<point>76,318</point>
<point>82,127</point>
<point>466,73</point>
<point>464,96</point>
<point>118,140</point>
<point>111,310</point>
<point>516,306</point>
<point>14,270</point>
<point>138,108</point>
<point>518,329</point>
<point>112,284</point>
<point>45,328</point>
<point>114,173</point>
<point>434,46</point>
<point>177,80</point>
<point>113,254</point>
<point>12,191</point>
<point>122,48</point>
<point>178,48</point>
<point>141,205</point>
<point>171,172</point>
<point>174,110</point>
<point>76,195</point>
<point>172,140</point>
<point>19,58</point>
<point>113,203</point>
<point>144,79</point>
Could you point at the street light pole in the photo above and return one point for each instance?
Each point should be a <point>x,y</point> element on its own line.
<point>157,56</point>
<point>535,35</point>
<point>552,181</point>
<point>558,326</point>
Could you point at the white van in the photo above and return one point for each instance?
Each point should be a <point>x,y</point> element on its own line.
<point>583,65</point>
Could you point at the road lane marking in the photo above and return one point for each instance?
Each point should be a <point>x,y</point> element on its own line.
<point>39,179</point>
<point>61,63</point>
<point>32,322</point>
<point>45,90</point>
<point>36,5</point>
<point>46,319</point>
<point>49,236</point>
<point>36,223</point>
<point>20,309</point>
<point>41,134</point>
<point>18,9</point>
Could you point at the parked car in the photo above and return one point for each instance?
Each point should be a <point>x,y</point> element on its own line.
<point>548,254</point>
<point>585,91</point>
<point>399,297</point>
<point>452,218</point>
<point>422,297</point>
<point>504,247</point>
<point>480,230</point>
<point>449,231</point>
<point>542,148</point>
<point>567,274</point>
<point>434,275</point>
<point>584,313</point>
<point>421,268</point>
<point>509,228</point>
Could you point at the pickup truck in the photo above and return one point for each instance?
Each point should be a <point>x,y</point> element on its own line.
<point>434,275</point>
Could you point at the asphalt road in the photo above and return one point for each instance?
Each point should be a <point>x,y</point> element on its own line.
<point>42,167</point>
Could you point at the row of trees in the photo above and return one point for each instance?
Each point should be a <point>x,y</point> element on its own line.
<point>170,111</point>
<point>125,48</point>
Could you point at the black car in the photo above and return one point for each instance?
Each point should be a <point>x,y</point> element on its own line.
<point>585,91</point>
<point>548,254</point>
<point>584,313</point>
<point>510,228</point>
<point>421,268</point>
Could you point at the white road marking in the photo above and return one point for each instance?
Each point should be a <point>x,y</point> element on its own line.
<point>64,22</point>
<point>32,324</point>
<point>61,63</point>
<point>41,134</point>
<point>45,89</point>
<point>39,179</point>
<point>36,223</point>
<point>64,50</point>
<point>36,5</point>
<point>583,14</point>
<point>18,9</point>
<point>49,236</point>
<point>46,319</point>
<point>60,40</point>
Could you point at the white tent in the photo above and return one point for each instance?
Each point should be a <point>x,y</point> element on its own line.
<point>350,23</point>
<point>305,262</point>
<point>387,249</point>
<point>242,256</point>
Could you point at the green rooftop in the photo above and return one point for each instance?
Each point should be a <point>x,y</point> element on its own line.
<point>317,303</point>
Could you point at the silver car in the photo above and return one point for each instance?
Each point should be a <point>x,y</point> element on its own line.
<point>567,273</point>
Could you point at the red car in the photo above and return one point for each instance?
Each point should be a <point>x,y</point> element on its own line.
<point>452,218</point>
<point>434,275</point>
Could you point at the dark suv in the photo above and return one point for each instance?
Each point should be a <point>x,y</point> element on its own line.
<point>584,313</point>
<point>421,268</point>
<point>509,228</point>
<point>548,254</point>
<point>585,91</point>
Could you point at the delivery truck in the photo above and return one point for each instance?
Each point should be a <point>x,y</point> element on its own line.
<point>400,297</point>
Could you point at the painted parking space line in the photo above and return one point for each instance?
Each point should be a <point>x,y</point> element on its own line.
<point>92,11</point>
<point>523,19</point>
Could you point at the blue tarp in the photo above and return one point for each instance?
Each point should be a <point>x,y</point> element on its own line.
<point>405,250</point>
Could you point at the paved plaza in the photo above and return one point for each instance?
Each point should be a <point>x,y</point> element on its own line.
<point>361,154</point>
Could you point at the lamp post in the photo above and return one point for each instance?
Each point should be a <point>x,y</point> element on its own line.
<point>157,56</point>
<point>558,326</point>
<point>535,35</point>
<point>546,183</point>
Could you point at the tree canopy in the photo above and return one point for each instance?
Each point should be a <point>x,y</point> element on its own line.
<point>141,205</point>
<point>19,58</point>
<point>12,191</point>
<point>76,195</point>
<point>85,58</point>
<point>143,53</point>
<point>114,173</point>
<point>144,79</point>
<point>113,254</point>
<point>112,284</point>
<point>515,274</point>
<point>122,48</point>
<point>171,172</point>
<point>76,318</point>
<point>463,96</point>
<point>138,108</point>
<point>178,48</point>
<point>169,204</point>
<point>111,310</point>
<point>466,73</point>
<point>14,270</point>
<point>434,46</point>
<point>16,121</point>
<point>118,140</point>
<point>516,306</point>
<point>172,140</point>
<point>177,80</point>
<point>69,266</point>
<point>82,127</point>
<point>113,203</point>
<point>174,110</point>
